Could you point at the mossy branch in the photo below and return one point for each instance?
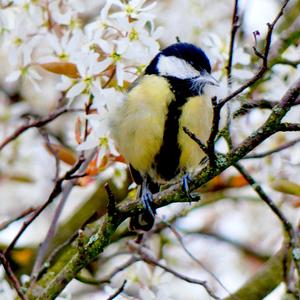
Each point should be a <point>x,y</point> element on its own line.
<point>263,282</point>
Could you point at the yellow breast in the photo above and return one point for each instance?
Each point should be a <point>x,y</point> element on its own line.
<point>138,125</point>
<point>197,117</point>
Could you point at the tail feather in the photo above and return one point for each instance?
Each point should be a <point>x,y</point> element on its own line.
<point>141,222</point>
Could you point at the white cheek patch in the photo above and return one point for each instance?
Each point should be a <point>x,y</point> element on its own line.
<point>176,67</point>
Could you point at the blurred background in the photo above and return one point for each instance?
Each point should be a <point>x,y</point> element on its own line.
<point>230,233</point>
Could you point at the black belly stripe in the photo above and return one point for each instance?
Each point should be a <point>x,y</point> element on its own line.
<point>166,161</point>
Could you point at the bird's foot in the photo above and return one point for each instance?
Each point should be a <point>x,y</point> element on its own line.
<point>147,201</point>
<point>144,221</point>
<point>185,181</point>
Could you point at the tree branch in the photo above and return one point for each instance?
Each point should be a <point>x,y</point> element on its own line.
<point>214,131</point>
<point>289,127</point>
<point>265,56</point>
<point>23,214</point>
<point>196,139</point>
<point>258,189</point>
<point>108,278</point>
<point>276,150</point>
<point>12,277</point>
<point>286,38</point>
<point>234,28</point>
<point>37,124</point>
<point>118,291</point>
<point>247,250</point>
<point>293,241</point>
<point>263,282</point>
<point>66,190</point>
<point>261,104</point>
<point>147,257</point>
<point>197,261</point>
<point>55,192</point>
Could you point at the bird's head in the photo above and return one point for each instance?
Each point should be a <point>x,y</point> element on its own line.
<point>185,66</point>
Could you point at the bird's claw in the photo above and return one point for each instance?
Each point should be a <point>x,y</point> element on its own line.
<point>147,201</point>
<point>185,181</point>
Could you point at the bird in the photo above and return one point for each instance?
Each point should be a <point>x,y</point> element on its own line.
<point>148,126</point>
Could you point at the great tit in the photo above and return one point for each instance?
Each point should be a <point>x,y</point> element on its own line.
<point>148,126</point>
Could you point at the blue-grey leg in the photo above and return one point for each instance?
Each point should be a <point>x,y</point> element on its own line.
<point>145,220</point>
<point>185,181</point>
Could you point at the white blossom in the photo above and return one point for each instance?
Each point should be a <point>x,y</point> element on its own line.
<point>62,12</point>
<point>134,9</point>
<point>88,67</point>
<point>105,102</point>
<point>63,47</point>
<point>30,74</point>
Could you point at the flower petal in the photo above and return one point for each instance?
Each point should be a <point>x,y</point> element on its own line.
<point>76,89</point>
<point>120,73</point>
<point>90,143</point>
<point>13,76</point>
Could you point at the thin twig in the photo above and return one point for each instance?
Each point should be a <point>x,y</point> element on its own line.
<point>261,104</point>
<point>55,192</point>
<point>196,139</point>
<point>249,251</point>
<point>197,261</point>
<point>52,229</point>
<point>287,38</point>
<point>289,127</point>
<point>270,33</point>
<point>121,268</point>
<point>53,152</point>
<point>234,28</point>
<point>287,62</point>
<point>265,55</point>
<point>288,227</point>
<point>258,189</point>
<point>65,193</point>
<point>37,124</point>
<point>108,278</point>
<point>163,224</point>
<point>76,176</point>
<point>111,206</point>
<point>249,105</point>
<point>118,291</point>
<point>148,258</point>
<point>214,131</point>
<point>66,190</point>
<point>23,214</point>
<point>87,108</point>
<point>11,276</point>
<point>276,150</point>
